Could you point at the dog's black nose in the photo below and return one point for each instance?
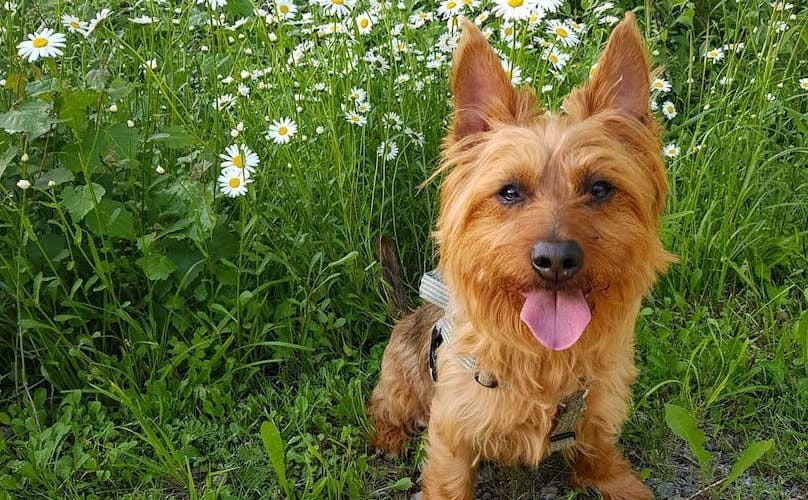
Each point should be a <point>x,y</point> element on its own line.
<point>556,261</point>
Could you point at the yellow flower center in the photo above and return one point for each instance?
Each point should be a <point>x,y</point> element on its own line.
<point>338,2</point>
<point>508,31</point>
<point>451,5</point>
<point>75,25</point>
<point>713,53</point>
<point>282,130</point>
<point>363,23</point>
<point>40,42</point>
<point>468,2</point>
<point>563,33</point>
<point>234,182</point>
<point>515,3</point>
<point>658,84</point>
<point>238,161</point>
<point>553,58</point>
<point>804,84</point>
<point>284,9</point>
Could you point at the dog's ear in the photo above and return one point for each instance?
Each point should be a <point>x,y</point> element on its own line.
<point>482,90</point>
<point>621,80</point>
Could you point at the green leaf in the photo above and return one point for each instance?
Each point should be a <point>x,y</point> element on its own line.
<point>58,175</point>
<point>273,443</point>
<point>40,87</point>
<point>748,457</point>
<point>173,137</point>
<point>403,484</point>
<point>6,157</point>
<point>73,107</point>
<point>157,267</point>
<point>684,425</point>
<point>79,200</point>
<point>33,118</point>
<point>112,219</point>
<point>97,78</point>
<point>118,89</point>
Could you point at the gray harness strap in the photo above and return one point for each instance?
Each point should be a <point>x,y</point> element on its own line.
<point>434,291</point>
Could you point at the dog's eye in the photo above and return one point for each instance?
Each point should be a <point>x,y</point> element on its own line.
<point>601,190</point>
<point>509,195</point>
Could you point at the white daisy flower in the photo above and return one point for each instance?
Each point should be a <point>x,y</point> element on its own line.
<point>357,95</point>
<point>74,24</point>
<point>143,20</point>
<point>45,43</point>
<point>223,102</point>
<point>355,118</point>
<point>714,55</point>
<point>511,10</point>
<point>549,5</point>
<point>804,83</point>
<point>285,9</point>
<point>364,23</point>
<point>506,31</point>
<point>557,58</point>
<point>339,8</point>
<point>450,8</point>
<point>671,150</point>
<point>563,32</point>
<point>514,72</point>
<point>25,184</point>
<point>387,150</point>
<point>233,182</point>
<point>661,85</point>
<point>362,107</point>
<point>281,131</point>
<point>241,158</point>
<point>669,110</point>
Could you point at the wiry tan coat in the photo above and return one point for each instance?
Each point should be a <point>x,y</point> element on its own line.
<point>498,137</point>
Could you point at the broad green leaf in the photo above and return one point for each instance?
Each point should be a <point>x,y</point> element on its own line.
<point>97,78</point>
<point>73,107</point>
<point>173,137</point>
<point>157,267</point>
<point>33,118</point>
<point>16,83</point>
<point>112,218</point>
<point>684,425</point>
<point>43,86</point>
<point>6,157</point>
<point>402,484</point>
<point>79,200</point>
<point>748,457</point>
<point>118,89</point>
<point>273,443</point>
<point>58,175</point>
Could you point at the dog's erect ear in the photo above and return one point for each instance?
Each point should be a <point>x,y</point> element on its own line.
<point>621,80</point>
<point>481,87</point>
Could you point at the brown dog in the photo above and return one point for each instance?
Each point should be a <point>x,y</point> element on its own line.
<point>548,238</point>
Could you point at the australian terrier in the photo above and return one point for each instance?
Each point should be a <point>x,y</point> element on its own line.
<point>548,240</point>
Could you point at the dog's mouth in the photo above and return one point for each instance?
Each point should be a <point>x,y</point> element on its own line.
<point>557,318</point>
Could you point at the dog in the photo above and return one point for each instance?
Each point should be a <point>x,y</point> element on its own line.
<point>548,238</point>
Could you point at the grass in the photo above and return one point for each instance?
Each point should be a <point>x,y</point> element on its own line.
<point>151,326</point>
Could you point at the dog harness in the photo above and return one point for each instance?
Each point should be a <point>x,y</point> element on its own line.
<point>434,291</point>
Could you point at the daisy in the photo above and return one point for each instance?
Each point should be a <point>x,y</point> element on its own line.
<point>510,10</point>
<point>804,83</point>
<point>100,16</point>
<point>670,150</point>
<point>355,118</point>
<point>563,32</point>
<point>143,20</point>
<point>281,131</point>
<point>285,9</point>
<point>549,5</point>
<point>362,107</point>
<point>506,31</point>
<point>669,110</point>
<point>557,58</point>
<point>661,85</point>
<point>339,8</point>
<point>74,24</point>
<point>450,8</point>
<point>514,72</point>
<point>240,158</point>
<point>714,55</point>
<point>364,24</point>
<point>45,43</point>
<point>223,102</point>
<point>233,182</point>
<point>387,150</point>
<point>357,95</point>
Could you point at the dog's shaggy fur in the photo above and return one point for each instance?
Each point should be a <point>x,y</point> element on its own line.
<point>499,138</point>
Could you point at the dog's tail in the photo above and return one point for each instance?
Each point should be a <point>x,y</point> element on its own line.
<point>391,275</point>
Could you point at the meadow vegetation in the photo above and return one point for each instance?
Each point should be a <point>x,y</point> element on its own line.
<point>190,304</point>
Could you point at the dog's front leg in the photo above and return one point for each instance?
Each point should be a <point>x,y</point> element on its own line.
<point>598,462</point>
<point>450,466</point>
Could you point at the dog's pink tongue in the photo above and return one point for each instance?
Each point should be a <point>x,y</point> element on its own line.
<point>556,318</point>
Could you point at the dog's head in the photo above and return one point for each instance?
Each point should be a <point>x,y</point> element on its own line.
<point>542,215</point>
